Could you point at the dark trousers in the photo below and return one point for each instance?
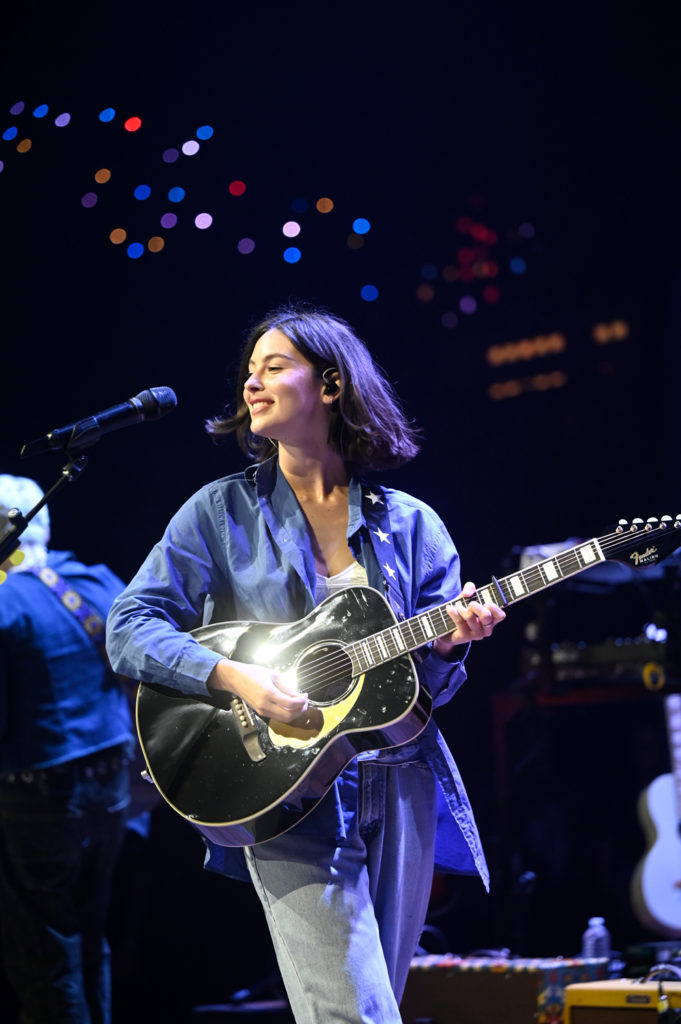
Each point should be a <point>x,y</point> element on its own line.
<point>60,833</point>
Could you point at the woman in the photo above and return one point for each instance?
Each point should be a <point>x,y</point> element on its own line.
<point>346,890</point>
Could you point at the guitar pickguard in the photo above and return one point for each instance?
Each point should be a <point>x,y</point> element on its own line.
<point>323,722</point>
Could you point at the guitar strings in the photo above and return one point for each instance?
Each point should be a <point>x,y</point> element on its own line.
<point>333,667</point>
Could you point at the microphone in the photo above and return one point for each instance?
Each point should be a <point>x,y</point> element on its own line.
<point>81,435</point>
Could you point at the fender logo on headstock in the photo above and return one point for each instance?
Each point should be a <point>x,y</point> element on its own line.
<point>643,557</point>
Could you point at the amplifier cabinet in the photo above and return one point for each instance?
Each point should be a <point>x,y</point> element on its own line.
<point>479,990</point>
<point>624,1001</point>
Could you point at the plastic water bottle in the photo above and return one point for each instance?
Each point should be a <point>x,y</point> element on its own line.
<point>596,939</point>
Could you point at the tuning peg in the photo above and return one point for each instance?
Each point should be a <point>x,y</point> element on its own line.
<point>620,525</point>
<point>635,523</point>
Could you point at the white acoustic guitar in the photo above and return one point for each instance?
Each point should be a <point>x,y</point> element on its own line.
<point>656,883</point>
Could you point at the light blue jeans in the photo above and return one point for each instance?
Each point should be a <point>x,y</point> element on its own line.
<point>346,911</point>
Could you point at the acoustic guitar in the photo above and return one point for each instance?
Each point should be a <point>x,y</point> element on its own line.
<point>656,882</point>
<point>242,779</point>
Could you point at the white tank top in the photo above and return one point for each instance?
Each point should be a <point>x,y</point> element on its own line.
<point>354,576</point>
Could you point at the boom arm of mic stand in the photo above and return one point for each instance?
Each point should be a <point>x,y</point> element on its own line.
<point>18,522</point>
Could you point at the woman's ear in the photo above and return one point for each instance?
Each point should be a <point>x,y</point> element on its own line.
<point>331,378</point>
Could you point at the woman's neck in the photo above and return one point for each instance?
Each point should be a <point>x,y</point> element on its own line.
<point>314,477</point>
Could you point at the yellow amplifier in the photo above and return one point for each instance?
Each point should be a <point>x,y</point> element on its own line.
<point>624,1001</point>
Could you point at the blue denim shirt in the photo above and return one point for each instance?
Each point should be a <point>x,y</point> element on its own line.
<point>58,701</point>
<point>240,549</point>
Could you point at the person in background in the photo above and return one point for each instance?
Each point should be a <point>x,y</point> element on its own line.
<point>345,891</point>
<point>65,744</point>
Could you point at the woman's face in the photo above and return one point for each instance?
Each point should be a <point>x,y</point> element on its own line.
<point>285,395</point>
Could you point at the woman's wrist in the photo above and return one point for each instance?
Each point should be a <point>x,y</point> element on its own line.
<point>443,647</point>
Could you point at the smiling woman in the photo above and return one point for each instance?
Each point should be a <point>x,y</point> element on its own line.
<point>354,797</point>
<point>366,424</point>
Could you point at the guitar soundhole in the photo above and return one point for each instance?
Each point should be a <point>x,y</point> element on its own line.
<point>324,672</point>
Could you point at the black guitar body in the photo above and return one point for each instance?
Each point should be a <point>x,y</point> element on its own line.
<point>242,779</point>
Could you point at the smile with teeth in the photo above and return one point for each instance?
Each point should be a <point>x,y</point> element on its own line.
<point>259,405</point>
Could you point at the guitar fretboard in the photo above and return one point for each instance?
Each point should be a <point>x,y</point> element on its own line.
<point>429,625</point>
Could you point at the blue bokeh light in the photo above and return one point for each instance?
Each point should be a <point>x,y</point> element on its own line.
<point>204,132</point>
<point>518,265</point>
<point>107,114</point>
<point>135,250</point>
<point>176,194</point>
<point>369,292</point>
<point>361,226</point>
<point>142,192</point>
<point>41,110</point>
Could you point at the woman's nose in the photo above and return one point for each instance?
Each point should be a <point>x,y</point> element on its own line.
<point>252,383</point>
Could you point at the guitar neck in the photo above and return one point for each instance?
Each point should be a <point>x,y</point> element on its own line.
<point>636,544</point>
<point>427,626</point>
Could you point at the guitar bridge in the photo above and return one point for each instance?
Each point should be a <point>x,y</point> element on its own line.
<point>248,730</point>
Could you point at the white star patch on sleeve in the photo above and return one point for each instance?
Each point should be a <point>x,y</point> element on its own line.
<point>374,498</point>
<point>383,537</point>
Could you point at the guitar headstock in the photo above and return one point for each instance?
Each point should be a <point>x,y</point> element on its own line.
<point>641,543</point>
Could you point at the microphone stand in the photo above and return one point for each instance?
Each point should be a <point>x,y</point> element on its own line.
<point>18,522</point>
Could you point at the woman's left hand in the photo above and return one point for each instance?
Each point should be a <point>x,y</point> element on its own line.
<point>472,622</point>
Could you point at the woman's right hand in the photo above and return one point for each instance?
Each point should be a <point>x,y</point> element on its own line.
<point>262,689</point>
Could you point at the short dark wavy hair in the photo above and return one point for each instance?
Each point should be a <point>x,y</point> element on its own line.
<point>367,426</point>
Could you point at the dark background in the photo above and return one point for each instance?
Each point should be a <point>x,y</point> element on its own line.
<point>564,117</point>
